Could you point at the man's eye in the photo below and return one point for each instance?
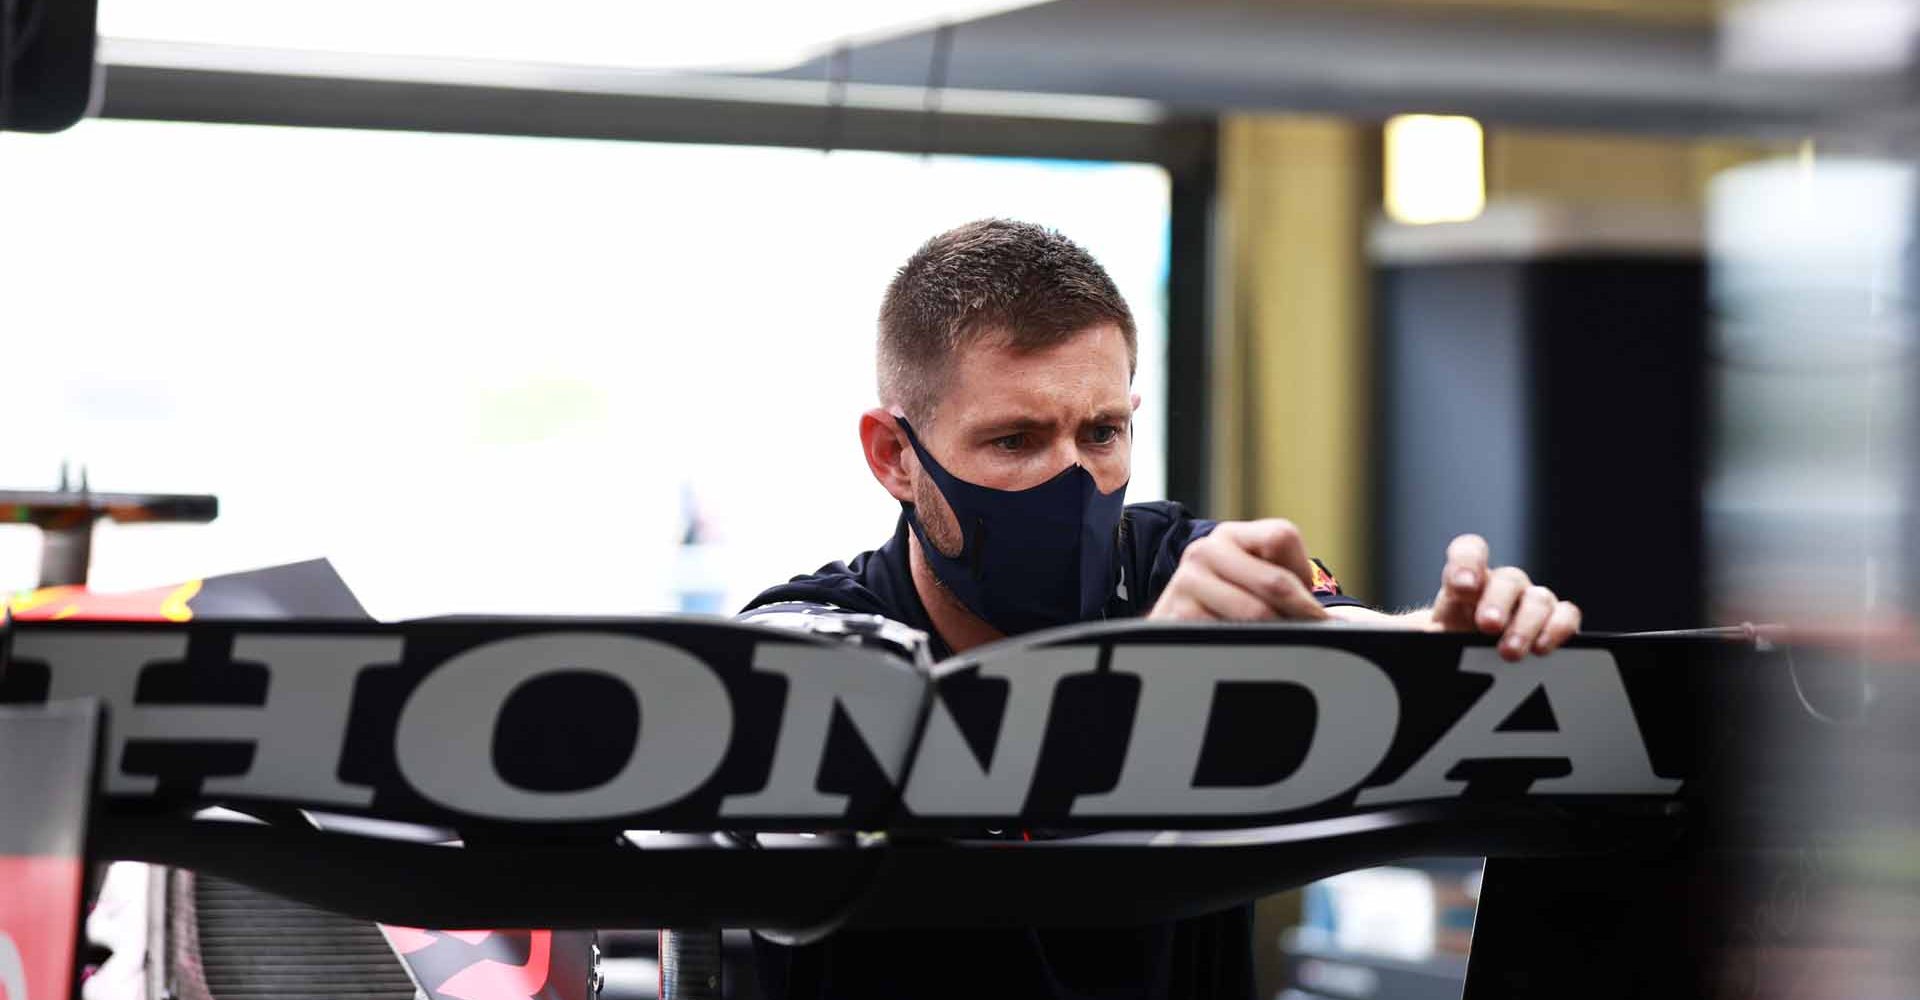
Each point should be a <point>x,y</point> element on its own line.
<point>1105,434</point>
<point>1011,442</point>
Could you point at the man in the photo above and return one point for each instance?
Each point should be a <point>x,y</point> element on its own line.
<point>1006,359</point>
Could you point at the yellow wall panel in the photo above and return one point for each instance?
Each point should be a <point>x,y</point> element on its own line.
<point>1296,194</point>
<point>1588,168</point>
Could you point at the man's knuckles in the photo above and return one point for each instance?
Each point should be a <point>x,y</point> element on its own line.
<point>1276,529</point>
<point>1277,538</point>
<point>1204,550</point>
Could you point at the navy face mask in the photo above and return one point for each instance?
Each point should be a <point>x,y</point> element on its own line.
<point>1029,559</point>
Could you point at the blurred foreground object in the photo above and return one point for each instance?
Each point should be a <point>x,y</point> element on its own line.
<point>1810,485</point>
<point>1809,512</point>
<point>46,63</point>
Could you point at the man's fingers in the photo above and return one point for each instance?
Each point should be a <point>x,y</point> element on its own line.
<point>1500,601</point>
<point>1536,606</point>
<point>1503,590</point>
<point>1243,571</point>
<point>1466,565</point>
<point>1275,540</point>
<point>1277,586</point>
<point>1222,599</point>
<point>1561,626</point>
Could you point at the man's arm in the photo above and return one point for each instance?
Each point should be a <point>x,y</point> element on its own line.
<point>1259,571</point>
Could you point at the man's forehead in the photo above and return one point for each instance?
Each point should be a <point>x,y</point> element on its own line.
<point>996,379</point>
<point>1009,402</point>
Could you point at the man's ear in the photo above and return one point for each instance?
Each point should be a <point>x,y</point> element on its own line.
<point>888,453</point>
<point>1136,401</point>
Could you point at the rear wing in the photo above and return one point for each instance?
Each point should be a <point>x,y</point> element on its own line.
<point>689,772</point>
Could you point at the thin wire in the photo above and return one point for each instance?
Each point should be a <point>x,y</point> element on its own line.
<point>1776,639</point>
<point>936,85</point>
<point>1757,634</point>
<point>1799,690</point>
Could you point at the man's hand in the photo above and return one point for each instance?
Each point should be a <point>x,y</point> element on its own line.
<point>1242,571</point>
<point>1502,601</point>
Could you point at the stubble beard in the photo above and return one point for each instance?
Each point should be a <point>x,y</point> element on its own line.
<point>936,519</point>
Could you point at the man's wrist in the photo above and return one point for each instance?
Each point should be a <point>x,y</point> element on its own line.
<point>1417,618</point>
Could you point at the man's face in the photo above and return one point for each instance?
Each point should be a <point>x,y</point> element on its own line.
<point>1011,420</point>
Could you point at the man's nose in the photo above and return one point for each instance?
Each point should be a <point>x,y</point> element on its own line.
<point>1070,452</point>
<point>1067,452</point>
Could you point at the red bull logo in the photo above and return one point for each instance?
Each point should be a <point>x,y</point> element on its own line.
<point>1323,581</point>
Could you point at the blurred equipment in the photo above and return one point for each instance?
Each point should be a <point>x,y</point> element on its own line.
<point>66,518</point>
<point>1321,973</point>
<point>46,63</point>
<point>1395,933</point>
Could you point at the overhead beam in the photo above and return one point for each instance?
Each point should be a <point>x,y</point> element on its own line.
<point>212,84</point>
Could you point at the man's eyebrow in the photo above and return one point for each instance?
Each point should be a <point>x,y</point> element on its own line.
<point>1026,425</point>
<point>1015,425</point>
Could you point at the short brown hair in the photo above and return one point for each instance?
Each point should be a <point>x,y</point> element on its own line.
<point>1013,279</point>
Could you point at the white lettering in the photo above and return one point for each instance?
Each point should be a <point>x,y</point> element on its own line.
<point>297,734</point>
<point>444,745</point>
<point>949,780</point>
<point>880,695</point>
<point>1357,710</point>
<point>1597,735</point>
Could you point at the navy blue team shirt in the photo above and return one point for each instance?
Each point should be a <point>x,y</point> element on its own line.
<point>1200,958</point>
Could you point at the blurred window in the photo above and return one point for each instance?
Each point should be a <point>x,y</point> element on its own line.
<point>492,374</point>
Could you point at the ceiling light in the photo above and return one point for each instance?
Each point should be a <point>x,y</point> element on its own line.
<point>1435,169</point>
